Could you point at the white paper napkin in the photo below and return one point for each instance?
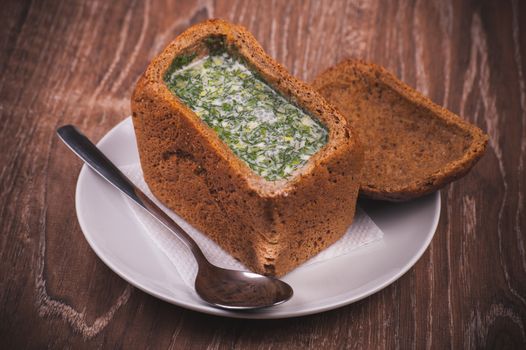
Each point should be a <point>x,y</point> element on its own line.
<point>363,231</point>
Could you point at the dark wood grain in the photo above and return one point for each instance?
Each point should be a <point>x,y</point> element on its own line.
<point>77,61</point>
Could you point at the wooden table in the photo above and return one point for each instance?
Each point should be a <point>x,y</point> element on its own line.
<point>77,62</point>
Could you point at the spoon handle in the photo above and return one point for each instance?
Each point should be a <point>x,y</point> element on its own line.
<point>96,160</point>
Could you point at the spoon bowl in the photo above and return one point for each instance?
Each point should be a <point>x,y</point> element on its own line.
<point>228,289</point>
<point>239,290</point>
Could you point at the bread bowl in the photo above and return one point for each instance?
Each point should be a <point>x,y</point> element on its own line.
<point>270,222</point>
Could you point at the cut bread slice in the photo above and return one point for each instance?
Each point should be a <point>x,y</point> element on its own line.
<point>412,146</point>
<point>270,226</point>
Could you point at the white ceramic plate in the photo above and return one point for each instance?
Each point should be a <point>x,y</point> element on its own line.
<point>118,239</point>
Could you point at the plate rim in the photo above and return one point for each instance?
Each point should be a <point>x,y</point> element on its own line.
<point>208,309</point>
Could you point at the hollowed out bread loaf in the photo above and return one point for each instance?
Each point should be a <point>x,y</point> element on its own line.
<point>270,226</point>
<point>412,146</point>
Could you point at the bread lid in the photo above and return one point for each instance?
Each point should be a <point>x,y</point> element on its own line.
<point>412,146</point>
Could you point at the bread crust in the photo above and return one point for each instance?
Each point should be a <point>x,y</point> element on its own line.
<point>271,227</point>
<point>412,146</point>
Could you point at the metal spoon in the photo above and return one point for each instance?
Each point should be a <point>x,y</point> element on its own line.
<point>229,289</point>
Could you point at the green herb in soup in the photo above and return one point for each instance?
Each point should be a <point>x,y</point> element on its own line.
<point>273,136</point>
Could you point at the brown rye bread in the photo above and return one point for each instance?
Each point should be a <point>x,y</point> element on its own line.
<point>412,146</point>
<point>271,227</point>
